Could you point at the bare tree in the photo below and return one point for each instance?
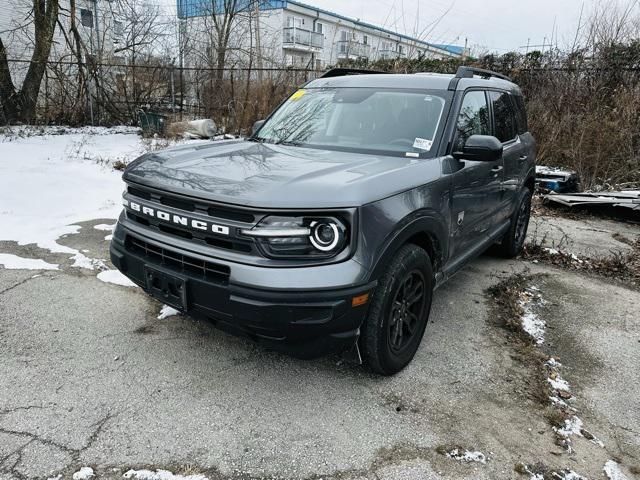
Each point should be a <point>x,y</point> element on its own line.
<point>20,104</point>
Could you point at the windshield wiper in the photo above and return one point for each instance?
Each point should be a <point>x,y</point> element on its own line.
<point>289,143</point>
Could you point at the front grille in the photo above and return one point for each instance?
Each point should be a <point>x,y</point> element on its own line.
<point>201,209</point>
<point>244,246</point>
<point>189,205</point>
<point>177,261</point>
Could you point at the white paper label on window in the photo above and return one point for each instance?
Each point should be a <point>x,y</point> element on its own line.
<point>422,144</point>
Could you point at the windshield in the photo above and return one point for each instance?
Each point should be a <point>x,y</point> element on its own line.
<point>360,119</point>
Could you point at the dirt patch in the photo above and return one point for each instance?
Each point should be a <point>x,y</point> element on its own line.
<point>506,311</point>
<point>513,305</point>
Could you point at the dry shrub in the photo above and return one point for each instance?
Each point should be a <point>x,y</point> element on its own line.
<point>621,266</point>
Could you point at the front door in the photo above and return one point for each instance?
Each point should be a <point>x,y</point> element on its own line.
<point>477,186</point>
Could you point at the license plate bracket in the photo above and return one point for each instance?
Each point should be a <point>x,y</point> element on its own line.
<point>167,287</point>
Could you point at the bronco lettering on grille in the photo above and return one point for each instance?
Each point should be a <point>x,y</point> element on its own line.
<point>177,219</point>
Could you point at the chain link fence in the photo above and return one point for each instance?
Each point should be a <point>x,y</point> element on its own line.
<point>107,94</point>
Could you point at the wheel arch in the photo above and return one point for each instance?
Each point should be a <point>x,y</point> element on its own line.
<point>426,232</point>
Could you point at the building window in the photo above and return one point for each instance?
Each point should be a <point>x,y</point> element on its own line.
<point>295,22</point>
<point>86,18</point>
<point>344,35</point>
<point>118,29</point>
<point>319,28</point>
<point>365,39</point>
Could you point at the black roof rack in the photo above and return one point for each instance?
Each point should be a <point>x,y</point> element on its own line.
<point>341,72</point>
<point>468,72</point>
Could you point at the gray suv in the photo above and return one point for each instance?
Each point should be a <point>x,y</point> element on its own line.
<point>331,226</point>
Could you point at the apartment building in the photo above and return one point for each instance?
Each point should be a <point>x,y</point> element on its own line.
<point>293,33</point>
<point>101,26</point>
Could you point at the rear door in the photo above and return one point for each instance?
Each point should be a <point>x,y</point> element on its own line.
<point>505,129</point>
<point>477,186</point>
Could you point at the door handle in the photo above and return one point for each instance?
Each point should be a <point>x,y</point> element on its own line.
<point>497,169</point>
<point>522,158</point>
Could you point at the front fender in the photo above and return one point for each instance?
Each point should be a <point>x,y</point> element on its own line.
<point>428,229</point>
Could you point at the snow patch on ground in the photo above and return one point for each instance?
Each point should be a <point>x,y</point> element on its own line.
<point>167,312</point>
<point>568,475</point>
<point>612,471</point>
<point>531,322</point>
<point>80,260</point>
<point>467,456</point>
<point>15,262</point>
<point>559,383</point>
<point>160,475</point>
<point>49,182</point>
<point>114,276</point>
<point>105,227</point>
<point>83,474</point>
<point>572,426</point>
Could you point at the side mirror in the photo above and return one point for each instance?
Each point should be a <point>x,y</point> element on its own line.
<point>480,148</point>
<point>257,126</point>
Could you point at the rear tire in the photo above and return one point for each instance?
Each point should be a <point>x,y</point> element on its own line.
<point>513,241</point>
<point>399,311</point>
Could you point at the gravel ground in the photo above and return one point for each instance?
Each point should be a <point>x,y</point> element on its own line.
<point>90,377</point>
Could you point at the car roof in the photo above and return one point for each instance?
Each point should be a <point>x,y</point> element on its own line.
<point>427,81</point>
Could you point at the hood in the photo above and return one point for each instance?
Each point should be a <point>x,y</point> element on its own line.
<point>277,176</point>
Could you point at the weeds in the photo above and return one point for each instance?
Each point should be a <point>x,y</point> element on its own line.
<point>622,266</point>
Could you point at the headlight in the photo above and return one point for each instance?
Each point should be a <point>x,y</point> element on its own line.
<point>317,237</point>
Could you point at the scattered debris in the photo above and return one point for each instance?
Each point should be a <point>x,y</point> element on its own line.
<point>204,128</point>
<point>14,262</point>
<point>624,198</point>
<point>557,179</point>
<point>84,474</point>
<point>612,471</point>
<point>160,475</point>
<point>166,311</point>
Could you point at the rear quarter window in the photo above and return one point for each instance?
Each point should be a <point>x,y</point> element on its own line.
<point>504,119</point>
<point>521,114</point>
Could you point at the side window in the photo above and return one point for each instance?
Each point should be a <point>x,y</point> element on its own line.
<point>503,116</point>
<point>521,114</point>
<point>473,118</point>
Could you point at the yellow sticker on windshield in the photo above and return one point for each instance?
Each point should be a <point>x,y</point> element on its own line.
<point>298,95</point>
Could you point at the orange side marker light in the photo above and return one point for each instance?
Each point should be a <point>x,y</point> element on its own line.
<point>360,300</point>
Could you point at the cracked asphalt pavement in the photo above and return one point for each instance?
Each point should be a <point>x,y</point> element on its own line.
<point>90,377</point>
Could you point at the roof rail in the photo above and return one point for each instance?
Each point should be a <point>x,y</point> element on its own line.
<point>341,72</point>
<point>468,72</point>
<point>465,71</point>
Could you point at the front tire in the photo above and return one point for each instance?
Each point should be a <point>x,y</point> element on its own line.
<point>399,311</point>
<point>513,240</point>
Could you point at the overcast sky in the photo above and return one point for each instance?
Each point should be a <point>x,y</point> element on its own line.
<point>498,25</point>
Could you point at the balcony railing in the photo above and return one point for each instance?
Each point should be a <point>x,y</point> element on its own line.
<point>390,54</point>
<point>349,49</point>
<point>294,37</point>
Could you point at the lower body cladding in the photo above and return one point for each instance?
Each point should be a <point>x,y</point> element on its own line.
<point>301,323</point>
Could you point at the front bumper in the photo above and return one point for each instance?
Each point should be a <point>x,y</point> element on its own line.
<point>303,322</point>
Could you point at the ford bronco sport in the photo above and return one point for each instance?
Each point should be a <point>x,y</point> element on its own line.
<point>330,227</point>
